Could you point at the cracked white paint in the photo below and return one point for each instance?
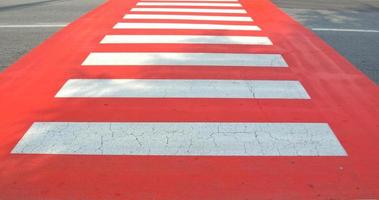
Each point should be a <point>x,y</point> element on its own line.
<point>188,4</point>
<point>130,25</point>
<point>189,17</point>
<point>189,10</point>
<point>185,59</point>
<point>185,39</point>
<point>169,88</point>
<point>198,139</point>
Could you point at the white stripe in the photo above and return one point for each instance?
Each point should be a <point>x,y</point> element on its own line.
<point>185,26</point>
<point>189,17</point>
<point>189,59</point>
<point>346,30</point>
<point>180,139</point>
<point>185,39</point>
<point>169,88</point>
<point>191,0</point>
<point>195,10</point>
<point>189,4</point>
<point>33,26</point>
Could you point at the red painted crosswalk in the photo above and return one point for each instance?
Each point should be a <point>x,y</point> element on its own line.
<point>187,100</point>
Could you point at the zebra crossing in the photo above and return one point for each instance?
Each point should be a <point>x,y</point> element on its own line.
<point>180,59</point>
<point>184,138</point>
<point>189,4</point>
<point>251,89</point>
<point>213,139</point>
<point>97,112</point>
<point>189,17</point>
<point>185,39</point>
<point>189,10</point>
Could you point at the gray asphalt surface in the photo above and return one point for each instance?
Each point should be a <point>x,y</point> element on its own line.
<point>15,42</point>
<point>361,48</point>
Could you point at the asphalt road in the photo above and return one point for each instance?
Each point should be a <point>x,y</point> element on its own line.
<point>360,46</point>
<point>15,42</point>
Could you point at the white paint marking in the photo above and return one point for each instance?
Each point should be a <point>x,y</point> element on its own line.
<point>189,17</point>
<point>33,26</point>
<point>169,88</point>
<point>185,26</point>
<point>346,30</point>
<point>187,59</point>
<point>194,10</point>
<point>189,4</point>
<point>180,139</point>
<point>185,39</point>
<point>191,0</point>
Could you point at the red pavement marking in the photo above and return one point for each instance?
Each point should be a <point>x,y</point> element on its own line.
<point>341,96</point>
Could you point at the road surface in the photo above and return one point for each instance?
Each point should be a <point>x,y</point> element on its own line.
<point>360,45</point>
<point>216,99</point>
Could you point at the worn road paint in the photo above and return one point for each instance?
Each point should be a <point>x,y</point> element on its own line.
<point>342,98</point>
<point>189,4</point>
<point>189,17</point>
<point>184,139</point>
<point>185,59</point>
<point>185,39</point>
<point>192,0</point>
<point>346,30</point>
<point>174,26</point>
<point>140,88</point>
<point>191,10</point>
<point>33,25</point>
